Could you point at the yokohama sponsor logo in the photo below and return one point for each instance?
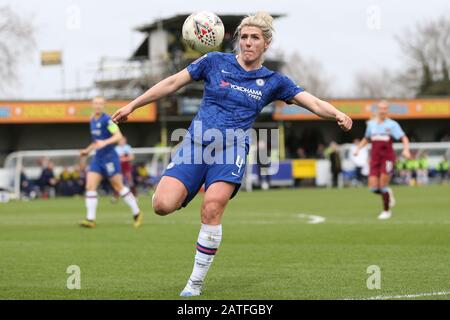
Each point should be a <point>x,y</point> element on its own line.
<point>247,90</point>
<point>255,94</point>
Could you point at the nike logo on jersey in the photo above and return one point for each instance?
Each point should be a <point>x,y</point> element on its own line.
<point>223,71</point>
<point>234,174</point>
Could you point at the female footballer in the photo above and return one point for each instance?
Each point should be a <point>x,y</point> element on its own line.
<point>237,87</point>
<point>381,131</point>
<point>105,163</point>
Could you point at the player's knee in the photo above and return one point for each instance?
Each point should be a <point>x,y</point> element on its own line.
<point>211,211</point>
<point>161,206</point>
<point>91,187</point>
<point>118,188</point>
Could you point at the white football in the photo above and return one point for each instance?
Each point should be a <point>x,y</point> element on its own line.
<point>203,31</point>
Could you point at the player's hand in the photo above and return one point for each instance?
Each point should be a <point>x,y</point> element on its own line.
<point>84,153</point>
<point>344,121</point>
<point>406,153</point>
<point>122,114</point>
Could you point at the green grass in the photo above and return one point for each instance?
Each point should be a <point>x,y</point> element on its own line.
<point>267,252</point>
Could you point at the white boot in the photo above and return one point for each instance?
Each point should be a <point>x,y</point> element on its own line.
<point>192,289</point>
<point>385,215</point>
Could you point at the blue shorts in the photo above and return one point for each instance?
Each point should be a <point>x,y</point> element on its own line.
<point>107,165</point>
<point>196,164</point>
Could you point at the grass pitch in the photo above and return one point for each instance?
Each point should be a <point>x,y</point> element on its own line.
<point>269,248</point>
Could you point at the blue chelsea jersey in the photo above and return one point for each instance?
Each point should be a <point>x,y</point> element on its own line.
<point>233,97</point>
<point>101,130</point>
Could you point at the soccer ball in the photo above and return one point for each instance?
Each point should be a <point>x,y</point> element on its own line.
<point>203,31</point>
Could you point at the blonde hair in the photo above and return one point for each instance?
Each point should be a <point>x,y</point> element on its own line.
<point>261,20</point>
<point>97,98</point>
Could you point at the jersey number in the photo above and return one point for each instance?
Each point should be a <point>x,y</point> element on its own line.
<point>389,166</point>
<point>239,163</point>
<point>110,167</point>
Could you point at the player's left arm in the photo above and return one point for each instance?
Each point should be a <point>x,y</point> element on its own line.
<point>323,109</point>
<point>399,134</point>
<point>406,152</point>
<point>115,138</point>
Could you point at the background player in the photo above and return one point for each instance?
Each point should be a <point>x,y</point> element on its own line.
<point>237,87</point>
<point>381,132</point>
<point>105,163</point>
<point>126,157</point>
<point>125,152</point>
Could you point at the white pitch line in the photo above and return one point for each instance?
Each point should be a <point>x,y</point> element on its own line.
<point>390,222</point>
<point>418,295</point>
<point>312,218</point>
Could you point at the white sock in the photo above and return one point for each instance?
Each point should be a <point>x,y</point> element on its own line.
<point>208,242</point>
<point>91,204</point>
<point>130,200</point>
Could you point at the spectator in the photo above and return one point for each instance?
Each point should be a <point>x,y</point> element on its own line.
<point>142,177</point>
<point>401,172</point>
<point>79,178</point>
<point>333,154</point>
<point>47,181</point>
<point>67,183</point>
<point>26,186</point>
<point>422,170</point>
<point>320,151</point>
<point>443,169</point>
<point>411,169</point>
<point>301,153</point>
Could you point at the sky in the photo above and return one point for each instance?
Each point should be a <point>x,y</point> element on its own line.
<point>346,37</point>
